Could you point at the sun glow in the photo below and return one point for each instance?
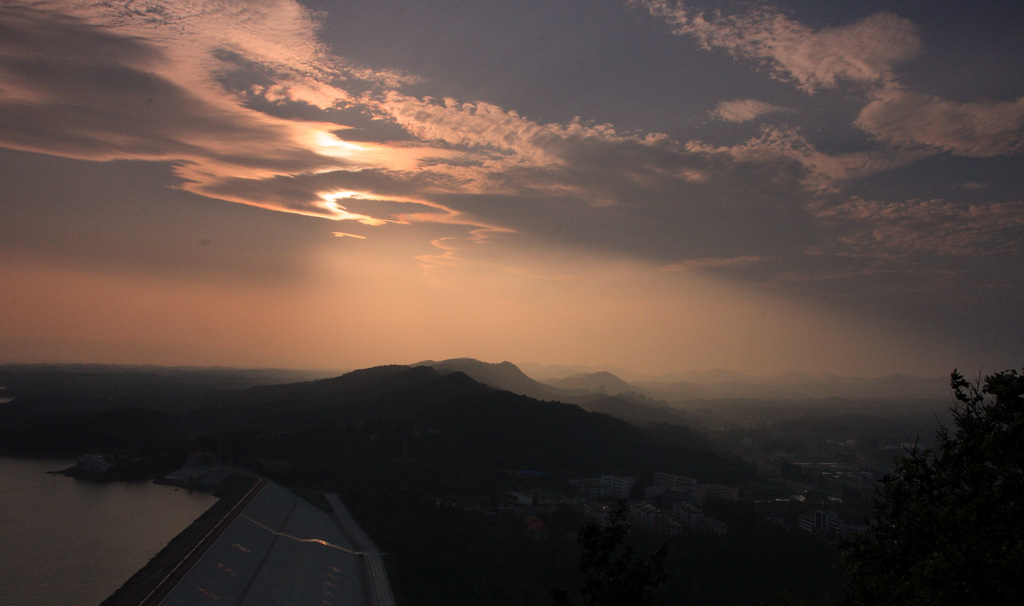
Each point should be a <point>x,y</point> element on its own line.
<point>625,223</point>
<point>338,212</point>
<point>323,139</point>
<point>329,144</point>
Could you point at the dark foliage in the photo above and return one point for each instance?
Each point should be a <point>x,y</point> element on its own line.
<point>948,520</point>
<point>83,425</point>
<point>611,574</point>
<point>166,388</point>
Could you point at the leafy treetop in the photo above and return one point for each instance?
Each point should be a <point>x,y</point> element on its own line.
<point>948,526</point>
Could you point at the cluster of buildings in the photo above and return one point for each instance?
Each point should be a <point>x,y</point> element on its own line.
<point>671,504</point>
<point>822,472</point>
<point>526,506</point>
<point>825,522</point>
<point>604,488</point>
<point>829,523</point>
<point>510,503</point>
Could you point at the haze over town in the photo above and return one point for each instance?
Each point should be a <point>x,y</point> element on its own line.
<point>646,185</point>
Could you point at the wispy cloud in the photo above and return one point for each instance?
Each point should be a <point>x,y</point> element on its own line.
<point>248,106</point>
<point>498,137</point>
<point>821,171</point>
<point>80,88</point>
<point>926,226</point>
<point>744,110</point>
<point>980,128</point>
<point>179,82</point>
<point>864,52</point>
<point>197,87</point>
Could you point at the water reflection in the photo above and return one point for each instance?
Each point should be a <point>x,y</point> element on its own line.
<point>70,542</point>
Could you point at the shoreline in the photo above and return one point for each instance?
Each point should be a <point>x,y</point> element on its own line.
<point>147,578</point>
<point>103,477</point>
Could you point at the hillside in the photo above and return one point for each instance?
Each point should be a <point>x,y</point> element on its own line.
<point>593,382</point>
<point>447,421</point>
<point>504,376</point>
<point>395,441</point>
<point>600,392</point>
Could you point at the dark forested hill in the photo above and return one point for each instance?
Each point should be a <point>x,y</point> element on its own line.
<point>444,418</point>
<point>441,417</point>
<point>172,388</point>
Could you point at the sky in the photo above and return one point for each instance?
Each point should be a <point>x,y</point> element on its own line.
<point>651,185</point>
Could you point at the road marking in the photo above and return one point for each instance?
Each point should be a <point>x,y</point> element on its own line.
<point>209,594</point>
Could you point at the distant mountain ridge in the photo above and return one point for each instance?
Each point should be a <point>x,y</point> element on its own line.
<point>709,386</point>
<point>430,427</point>
<point>458,419</point>
<point>505,376</point>
<point>726,384</point>
<point>668,399</point>
<point>660,399</point>
<point>602,382</point>
<point>600,392</point>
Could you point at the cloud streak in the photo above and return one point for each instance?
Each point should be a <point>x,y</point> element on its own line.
<point>198,88</point>
<point>132,84</point>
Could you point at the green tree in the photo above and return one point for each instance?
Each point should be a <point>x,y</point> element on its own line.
<point>611,572</point>
<point>948,525</point>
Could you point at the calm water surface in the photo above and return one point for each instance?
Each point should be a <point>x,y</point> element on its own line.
<point>66,542</point>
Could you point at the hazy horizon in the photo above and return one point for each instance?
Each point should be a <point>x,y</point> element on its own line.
<point>538,372</point>
<point>651,185</point>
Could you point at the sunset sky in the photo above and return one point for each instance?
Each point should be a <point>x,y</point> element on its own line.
<point>651,185</point>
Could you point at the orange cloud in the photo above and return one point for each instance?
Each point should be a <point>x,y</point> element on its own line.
<point>744,110</point>
<point>147,86</point>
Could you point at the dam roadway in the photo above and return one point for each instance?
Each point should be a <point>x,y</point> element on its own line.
<point>274,547</point>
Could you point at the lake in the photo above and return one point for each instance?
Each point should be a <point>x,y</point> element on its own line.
<point>68,542</point>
